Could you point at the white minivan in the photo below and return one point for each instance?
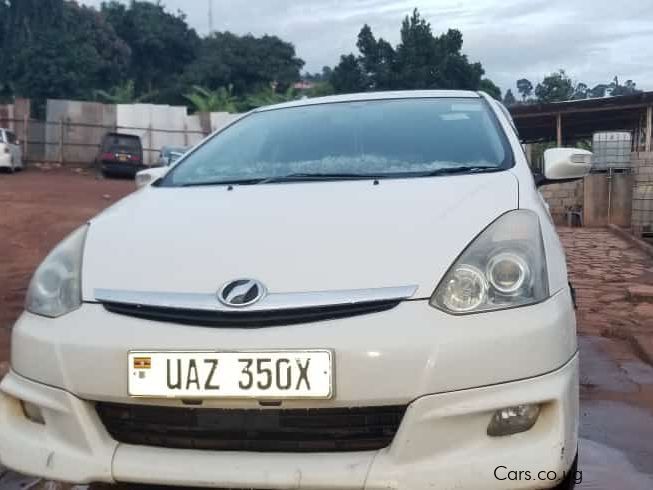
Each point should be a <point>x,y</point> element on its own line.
<point>355,292</point>
<point>11,154</point>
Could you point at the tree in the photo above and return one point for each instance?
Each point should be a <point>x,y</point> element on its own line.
<point>629,88</point>
<point>348,75</point>
<point>599,90</point>
<point>70,56</point>
<point>162,44</point>
<point>525,88</point>
<point>219,100</point>
<point>377,59</point>
<point>555,88</point>
<point>246,62</point>
<point>321,89</point>
<point>420,61</point>
<point>509,98</point>
<point>490,88</point>
<point>124,93</point>
<point>268,96</point>
<point>581,91</point>
<point>559,87</point>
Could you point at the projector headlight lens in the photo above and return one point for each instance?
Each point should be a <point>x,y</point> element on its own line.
<point>507,272</point>
<point>504,267</point>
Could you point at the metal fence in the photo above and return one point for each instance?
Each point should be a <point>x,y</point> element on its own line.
<point>75,143</point>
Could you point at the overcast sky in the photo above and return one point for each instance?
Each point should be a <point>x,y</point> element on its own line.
<point>594,40</point>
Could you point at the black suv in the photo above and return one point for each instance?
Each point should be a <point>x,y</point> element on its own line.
<point>120,154</point>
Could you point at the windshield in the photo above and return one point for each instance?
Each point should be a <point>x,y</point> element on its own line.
<point>382,138</point>
<point>122,142</point>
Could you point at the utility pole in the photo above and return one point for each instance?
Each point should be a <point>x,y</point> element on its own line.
<point>210,17</point>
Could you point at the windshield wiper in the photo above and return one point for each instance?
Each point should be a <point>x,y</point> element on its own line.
<point>475,169</point>
<point>308,177</point>
<point>304,177</point>
<point>223,182</point>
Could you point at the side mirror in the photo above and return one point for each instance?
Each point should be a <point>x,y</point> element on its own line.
<point>565,165</point>
<point>146,177</point>
<point>174,156</point>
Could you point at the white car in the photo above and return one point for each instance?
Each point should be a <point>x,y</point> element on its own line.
<point>361,291</point>
<point>11,154</point>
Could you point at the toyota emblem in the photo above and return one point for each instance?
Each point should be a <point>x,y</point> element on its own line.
<point>242,292</point>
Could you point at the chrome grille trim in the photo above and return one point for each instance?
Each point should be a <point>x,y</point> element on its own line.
<point>271,302</point>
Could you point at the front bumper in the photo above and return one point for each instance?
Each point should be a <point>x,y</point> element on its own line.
<point>451,372</point>
<point>441,443</point>
<point>122,168</point>
<point>5,160</point>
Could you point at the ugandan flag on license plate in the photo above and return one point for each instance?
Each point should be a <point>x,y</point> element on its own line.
<point>142,362</point>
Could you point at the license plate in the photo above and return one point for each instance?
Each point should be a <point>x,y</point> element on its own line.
<point>262,374</point>
<point>123,158</point>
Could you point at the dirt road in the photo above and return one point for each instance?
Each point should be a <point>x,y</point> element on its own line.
<point>38,209</point>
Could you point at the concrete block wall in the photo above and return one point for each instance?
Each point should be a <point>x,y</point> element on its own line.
<point>562,197</point>
<point>642,213</point>
<point>642,163</point>
<point>81,125</point>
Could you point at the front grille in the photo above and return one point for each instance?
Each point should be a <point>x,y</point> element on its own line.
<point>248,319</point>
<point>269,430</point>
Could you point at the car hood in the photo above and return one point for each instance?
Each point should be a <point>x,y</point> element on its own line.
<point>293,237</point>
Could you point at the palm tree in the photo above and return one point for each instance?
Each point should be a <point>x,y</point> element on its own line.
<point>123,94</point>
<point>219,100</point>
<point>268,96</point>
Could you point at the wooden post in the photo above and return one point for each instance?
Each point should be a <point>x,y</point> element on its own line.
<point>61,140</point>
<point>559,130</point>
<point>25,135</point>
<point>149,145</point>
<point>649,121</point>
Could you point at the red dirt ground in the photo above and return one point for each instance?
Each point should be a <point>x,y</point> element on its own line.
<point>37,209</point>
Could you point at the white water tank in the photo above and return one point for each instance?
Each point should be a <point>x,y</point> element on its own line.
<point>611,149</point>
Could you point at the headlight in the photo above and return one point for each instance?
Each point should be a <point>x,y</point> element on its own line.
<point>55,288</point>
<point>505,266</point>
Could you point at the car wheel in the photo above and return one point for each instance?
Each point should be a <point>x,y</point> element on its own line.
<point>569,483</point>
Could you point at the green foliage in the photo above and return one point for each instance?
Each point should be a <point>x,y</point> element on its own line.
<point>509,98</point>
<point>219,100</point>
<point>130,52</point>
<point>629,88</point>
<point>246,62</point>
<point>490,88</point>
<point>124,93</point>
<point>420,61</point>
<point>72,54</point>
<point>525,88</point>
<point>268,96</point>
<point>348,75</point>
<point>556,87</point>
<point>321,89</point>
<point>559,87</point>
<point>161,43</point>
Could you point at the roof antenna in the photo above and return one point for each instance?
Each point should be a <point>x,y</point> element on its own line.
<point>210,17</point>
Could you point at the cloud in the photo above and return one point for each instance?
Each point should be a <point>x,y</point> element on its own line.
<point>594,40</point>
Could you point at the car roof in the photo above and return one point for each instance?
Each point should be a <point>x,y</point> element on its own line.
<point>122,135</point>
<point>365,96</point>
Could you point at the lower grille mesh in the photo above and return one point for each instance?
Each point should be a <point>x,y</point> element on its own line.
<point>272,430</point>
